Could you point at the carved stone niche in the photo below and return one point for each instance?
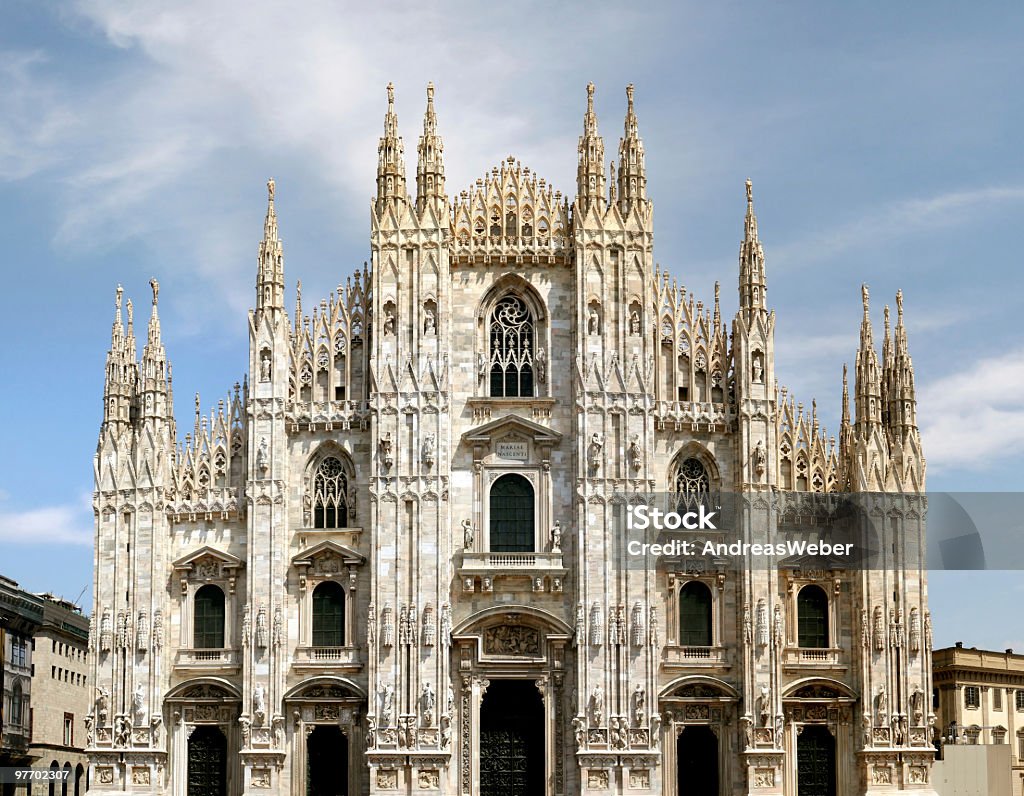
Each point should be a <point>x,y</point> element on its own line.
<point>326,561</point>
<point>208,565</point>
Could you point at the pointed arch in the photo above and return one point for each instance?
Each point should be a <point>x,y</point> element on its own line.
<point>512,326</point>
<point>329,501</point>
<point>694,476</point>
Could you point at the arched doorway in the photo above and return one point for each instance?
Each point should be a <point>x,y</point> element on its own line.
<point>697,762</point>
<point>512,739</point>
<point>326,761</point>
<point>815,762</point>
<point>207,762</point>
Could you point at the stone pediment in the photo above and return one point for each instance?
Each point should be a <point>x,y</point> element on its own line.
<point>206,560</point>
<point>319,555</point>
<point>512,425</point>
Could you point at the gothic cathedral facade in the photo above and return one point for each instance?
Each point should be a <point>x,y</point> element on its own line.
<point>386,561</point>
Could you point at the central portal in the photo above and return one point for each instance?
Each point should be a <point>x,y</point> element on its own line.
<point>697,762</point>
<point>327,758</point>
<point>512,739</point>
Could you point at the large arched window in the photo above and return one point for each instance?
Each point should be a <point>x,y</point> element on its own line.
<point>812,617</point>
<point>511,515</point>
<point>695,615</point>
<point>328,615</point>
<point>511,344</point>
<point>692,485</point>
<point>330,495</point>
<point>208,624</point>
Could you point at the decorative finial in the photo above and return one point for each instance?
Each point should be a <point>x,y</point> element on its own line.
<point>391,93</point>
<point>131,312</point>
<point>864,296</point>
<point>156,289</point>
<point>590,97</point>
<point>844,374</point>
<point>899,303</point>
<point>750,192</point>
<point>629,95</point>
<point>271,185</point>
<point>117,300</point>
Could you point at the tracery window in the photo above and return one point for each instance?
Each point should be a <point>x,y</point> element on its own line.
<point>330,495</point>
<point>692,485</point>
<point>208,627</point>
<point>812,617</point>
<point>695,615</point>
<point>328,615</point>
<point>511,338</point>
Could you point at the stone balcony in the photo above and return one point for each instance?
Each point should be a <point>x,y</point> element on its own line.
<point>679,657</point>
<point>813,658</point>
<point>327,659</point>
<point>207,661</point>
<point>545,571</point>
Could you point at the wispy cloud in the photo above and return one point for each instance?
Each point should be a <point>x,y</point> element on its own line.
<point>894,220</point>
<point>975,417</point>
<point>66,524</point>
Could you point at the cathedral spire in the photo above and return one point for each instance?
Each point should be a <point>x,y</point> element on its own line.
<point>632,173</point>
<point>119,380</point>
<point>590,171</point>
<point>390,158</point>
<point>900,391</point>
<point>154,382</point>
<point>430,160</point>
<point>753,283</point>
<point>868,387</point>
<point>270,271</point>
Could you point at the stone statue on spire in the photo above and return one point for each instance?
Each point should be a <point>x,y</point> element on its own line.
<point>270,189</point>
<point>156,289</point>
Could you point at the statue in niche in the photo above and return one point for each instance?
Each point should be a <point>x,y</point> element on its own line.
<point>542,364</point>
<point>102,703</point>
<point>429,320</point>
<point>635,452</point>
<point>556,537</point>
<point>427,702</point>
<point>139,706</point>
<point>634,323</point>
<point>265,366</point>
<point>597,706</point>
<point>262,456</point>
<point>387,702</point>
<point>765,702</point>
<point>881,706</point>
<point>428,450</point>
<point>246,725</point>
<point>468,535</point>
<point>593,322</point>
<point>261,627</point>
<point>758,369</point>
<point>639,705</point>
<point>385,447</point>
<point>389,322</point>
<point>259,703</point>
<point>760,458</point>
<point>594,450</point>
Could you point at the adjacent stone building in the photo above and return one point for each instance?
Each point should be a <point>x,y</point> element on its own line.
<point>979,699</point>
<point>390,561</point>
<point>46,685</point>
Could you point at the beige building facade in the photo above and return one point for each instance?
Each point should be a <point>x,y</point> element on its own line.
<point>979,700</point>
<point>391,561</point>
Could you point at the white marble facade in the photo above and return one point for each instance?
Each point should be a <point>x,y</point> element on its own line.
<point>347,508</point>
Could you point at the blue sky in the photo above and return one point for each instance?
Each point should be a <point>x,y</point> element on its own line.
<point>883,141</point>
